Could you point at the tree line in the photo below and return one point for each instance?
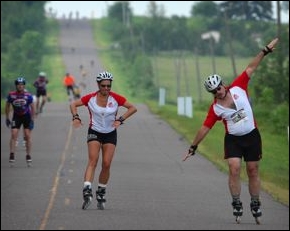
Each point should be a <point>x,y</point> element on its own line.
<point>22,41</point>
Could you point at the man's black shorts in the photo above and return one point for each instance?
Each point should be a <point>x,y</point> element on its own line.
<point>248,146</point>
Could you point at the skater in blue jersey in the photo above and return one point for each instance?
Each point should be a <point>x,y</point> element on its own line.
<point>21,102</point>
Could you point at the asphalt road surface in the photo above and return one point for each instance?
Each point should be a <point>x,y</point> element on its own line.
<point>150,187</point>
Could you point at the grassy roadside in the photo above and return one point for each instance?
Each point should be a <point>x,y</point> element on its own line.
<point>53,64</point>
<point>274,167</point>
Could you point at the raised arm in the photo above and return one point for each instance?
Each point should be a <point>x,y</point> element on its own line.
<point>256,61</point>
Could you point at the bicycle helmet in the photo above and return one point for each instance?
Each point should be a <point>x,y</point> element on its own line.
<point>20,80</point>
<point>212,82</point>
<point>42,74</point>
<point>104,76</point>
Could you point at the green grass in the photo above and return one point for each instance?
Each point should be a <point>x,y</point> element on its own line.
<point>53,64</point>
<point>179,76</point>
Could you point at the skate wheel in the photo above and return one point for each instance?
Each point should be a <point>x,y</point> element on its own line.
<point>238,219</point>
<point>86,204</point>
<point>257,219</point>
<point>101,206</point>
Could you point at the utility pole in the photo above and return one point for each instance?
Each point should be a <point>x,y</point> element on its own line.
<point>213,37</point>
<point>230,44</point>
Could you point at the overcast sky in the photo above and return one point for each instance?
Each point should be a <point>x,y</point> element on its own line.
<point>98,9</point>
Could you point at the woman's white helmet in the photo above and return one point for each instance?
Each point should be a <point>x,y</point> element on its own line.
<point>104,76</point>
<point>212,82</point>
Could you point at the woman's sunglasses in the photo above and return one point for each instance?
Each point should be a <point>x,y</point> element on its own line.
<point>216,90</point>
<point>104,85</point>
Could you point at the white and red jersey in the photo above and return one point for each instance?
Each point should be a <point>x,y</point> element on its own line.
<point>239,121</point>
<point>102,118</point>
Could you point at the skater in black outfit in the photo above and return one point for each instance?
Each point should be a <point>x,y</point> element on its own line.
<point>41,91</point>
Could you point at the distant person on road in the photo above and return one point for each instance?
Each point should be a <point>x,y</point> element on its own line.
<point>69,83</point>
<point>41,92</point>
<point>77,92</point>
<point>92,63</point>
<point>242,138</point>
<point>103,107</point>
<point>23,107</point>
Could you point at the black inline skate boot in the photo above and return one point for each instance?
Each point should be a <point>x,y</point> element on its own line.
<point>100,195</point>
<point>12,159</point>
<point>256,211</point>
<point>28,160</point>
<point>88,196</point>
<point>238,210</point>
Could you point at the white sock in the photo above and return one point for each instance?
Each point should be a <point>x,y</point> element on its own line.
<point>87,183</point>
<point>102,185</point>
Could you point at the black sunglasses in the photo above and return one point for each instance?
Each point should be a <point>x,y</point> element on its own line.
<point>104,85</point>
<point>216,90</point>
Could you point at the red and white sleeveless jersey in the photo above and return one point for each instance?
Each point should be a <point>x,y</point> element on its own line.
<point>239,121</point>
<point>102,118</point>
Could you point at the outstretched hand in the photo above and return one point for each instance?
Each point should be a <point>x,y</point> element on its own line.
<point>77,123</point>
<point>187,154</point>
<point>190,152</point>
<point>273,43</point>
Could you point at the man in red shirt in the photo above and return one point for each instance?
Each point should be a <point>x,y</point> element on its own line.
<point>242,139</point>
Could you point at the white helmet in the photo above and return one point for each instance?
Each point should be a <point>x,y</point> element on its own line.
<point>43,74</point>
<point>104,76</point>
<point>212,82</point>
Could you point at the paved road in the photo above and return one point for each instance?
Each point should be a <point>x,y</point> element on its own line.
<point>150,187</point>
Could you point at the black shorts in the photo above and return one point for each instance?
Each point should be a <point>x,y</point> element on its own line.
<point>248,146</point>
<point>18,120</point>
<point>41,92</point>
<point>103,138</point>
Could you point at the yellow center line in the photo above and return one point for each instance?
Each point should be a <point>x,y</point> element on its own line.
<point>56,182</point>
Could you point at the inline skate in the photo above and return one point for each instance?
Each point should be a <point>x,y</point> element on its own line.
<point>237,210</point>
<point>11,160</point>
<point>100,196</point>
<point>256,211</point>
<point>28,160</point>
<point>87,196</point>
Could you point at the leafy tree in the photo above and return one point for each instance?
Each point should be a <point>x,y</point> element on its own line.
<point>22,32</point>
<point>285,6</point>
<point>155,11</point>
<point>205,9</point>
<point>121,11</point>
<point>269,75</point>
<point>247,10</point>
